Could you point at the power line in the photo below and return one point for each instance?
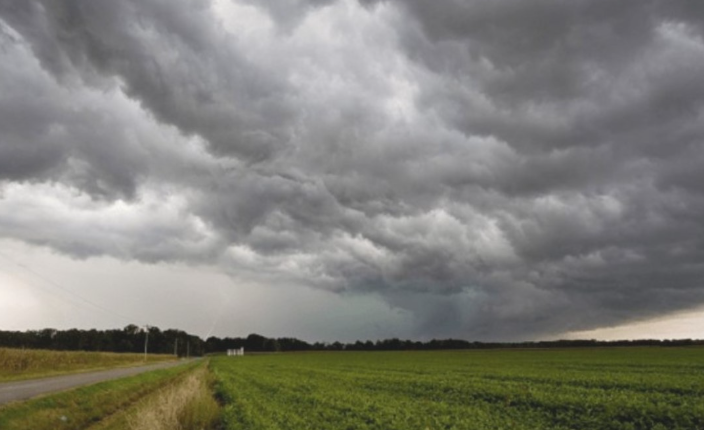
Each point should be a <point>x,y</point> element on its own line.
<point>72,293</point>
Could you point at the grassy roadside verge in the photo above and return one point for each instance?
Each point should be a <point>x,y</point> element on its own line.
<point>19,364</point>
<point>82,407</point>
<point>185,404</point>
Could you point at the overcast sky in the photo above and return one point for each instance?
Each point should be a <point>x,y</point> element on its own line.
<point>343,169</point>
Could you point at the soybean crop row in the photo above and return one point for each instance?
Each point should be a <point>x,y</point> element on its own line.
<point>614,388</point>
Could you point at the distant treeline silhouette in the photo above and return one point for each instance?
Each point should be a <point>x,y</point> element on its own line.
<point>255,342</point>
<point>132,337</point>
<point>128,339</point>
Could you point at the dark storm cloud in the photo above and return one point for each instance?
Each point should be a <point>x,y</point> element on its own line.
<point>175,60</point>
<point>567,62</point>
<point>501,169</point>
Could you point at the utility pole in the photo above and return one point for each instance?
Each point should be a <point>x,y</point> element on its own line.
<point>146,341</point>
<point>176,347</point>
<point>188,349</point>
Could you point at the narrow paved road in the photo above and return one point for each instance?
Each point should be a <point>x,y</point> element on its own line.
<point>22,390</point>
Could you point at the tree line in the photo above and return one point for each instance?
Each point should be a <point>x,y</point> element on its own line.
<point>178,342</point>
<point>255,342</point>
<point>129,339</point>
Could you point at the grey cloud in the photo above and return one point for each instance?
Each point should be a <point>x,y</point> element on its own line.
<point>551,74</point>
<point>502,170</point>
<point>290,13</point>
<point>174,59</point>
<point>44,140</point>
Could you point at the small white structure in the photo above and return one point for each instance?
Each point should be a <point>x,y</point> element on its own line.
<point>233,352</point>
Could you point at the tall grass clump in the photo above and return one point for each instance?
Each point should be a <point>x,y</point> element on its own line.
<point>25,363</point>
<point>186,405</point>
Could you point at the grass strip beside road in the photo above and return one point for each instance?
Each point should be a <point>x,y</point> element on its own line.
<point>82,407</point>
<point>20,364</point>
<point>186,403</point>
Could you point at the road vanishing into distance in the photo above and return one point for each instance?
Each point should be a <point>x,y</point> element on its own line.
<point>26,389</point>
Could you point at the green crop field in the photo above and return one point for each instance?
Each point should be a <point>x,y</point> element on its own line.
<point>611,388</point>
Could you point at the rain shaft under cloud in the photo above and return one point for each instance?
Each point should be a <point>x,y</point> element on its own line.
<point>498,169</point>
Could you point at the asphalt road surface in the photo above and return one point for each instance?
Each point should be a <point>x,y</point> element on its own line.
<point>23,390</point>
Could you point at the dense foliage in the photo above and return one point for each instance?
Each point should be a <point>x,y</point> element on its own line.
<point>129,339</point>
<point>132,337</point>
<point>255,342</point>
<point>600,389</point>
